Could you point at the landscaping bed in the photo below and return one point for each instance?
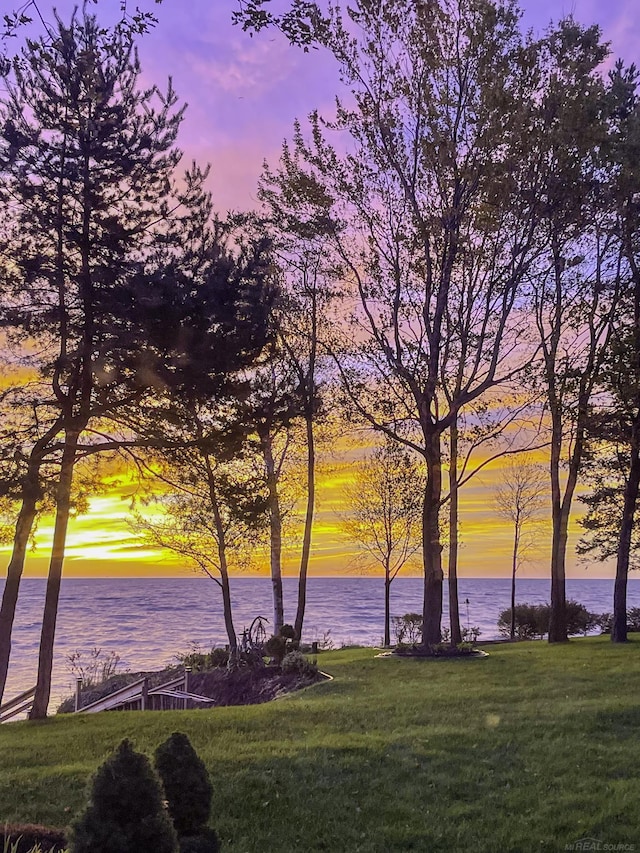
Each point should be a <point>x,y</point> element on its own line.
<point>249,685</point>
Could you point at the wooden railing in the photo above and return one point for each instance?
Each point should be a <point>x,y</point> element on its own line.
<point>171,695</point>
<point>16,706</point>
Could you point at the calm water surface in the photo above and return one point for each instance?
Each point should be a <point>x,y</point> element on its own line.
<point>147,621</point>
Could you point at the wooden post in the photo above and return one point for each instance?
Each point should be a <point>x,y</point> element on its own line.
<point>187,674</point>
<point>78,689</point>
<point>314,647</point>
<point>145,695</point>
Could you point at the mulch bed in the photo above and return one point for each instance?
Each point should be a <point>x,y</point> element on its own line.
<point>248,685</point>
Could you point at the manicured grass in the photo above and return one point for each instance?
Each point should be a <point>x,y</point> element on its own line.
<point>530,749</point>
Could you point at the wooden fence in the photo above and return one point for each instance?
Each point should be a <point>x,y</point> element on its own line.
<point>16,706</point>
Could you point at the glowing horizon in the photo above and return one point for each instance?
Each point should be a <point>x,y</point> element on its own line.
<point>100,542</point>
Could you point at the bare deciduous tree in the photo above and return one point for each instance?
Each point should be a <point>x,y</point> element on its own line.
<point>519,498</point>
<point>384,506</point>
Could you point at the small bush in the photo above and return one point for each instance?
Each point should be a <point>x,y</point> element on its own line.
<point>408,628</point>
<point>296,662</point>
<point>218,658</point>
<point>200,661</point>
<point>532,620</point>
<point>276,648</point>
<point>25,837</point>
<point>605,622</point>
<point>579,620</point>
<point>186,784</point>
<point>206,841</point>
<point>288,632</point>
<point>125,812</point>
<point>93,667</point>
<point>633,619</point>
<point>470,635</point>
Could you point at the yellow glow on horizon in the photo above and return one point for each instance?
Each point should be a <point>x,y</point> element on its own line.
<point>101,542</point>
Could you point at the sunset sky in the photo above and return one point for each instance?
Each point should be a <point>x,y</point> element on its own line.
<point>244,94</point>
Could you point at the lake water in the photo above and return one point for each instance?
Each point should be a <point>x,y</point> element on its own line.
<point>147,621</point>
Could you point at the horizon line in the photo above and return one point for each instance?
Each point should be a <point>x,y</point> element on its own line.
<point>311,577</point>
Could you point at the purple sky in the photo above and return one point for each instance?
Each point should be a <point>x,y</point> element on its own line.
<point>244,93</point>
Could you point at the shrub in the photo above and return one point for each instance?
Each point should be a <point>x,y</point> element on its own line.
<point>125,812</point>
<point>532,620</point>
<point>22,838</point>
<point>633,619</point>
<point>579,620</point>
<point>186,783</point>
<point>276,648</point>
<point>205,842</point>
<point>296,662</point>
<point>93,667</point>
<point>604,621</point>
<point>218,658</point>
<point>408,628</point>
<point>200,661</point>
<point>288,632</point>
<point>470,635</point>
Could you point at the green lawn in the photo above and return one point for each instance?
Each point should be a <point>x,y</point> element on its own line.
<point>530,749</point>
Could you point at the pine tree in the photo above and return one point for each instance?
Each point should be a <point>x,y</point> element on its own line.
<point>186,784</point>
<point>125,812</point>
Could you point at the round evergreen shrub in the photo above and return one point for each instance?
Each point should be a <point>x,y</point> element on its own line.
<point>186,783</point>
<point>276,648</point>
<point>125,812</point>
<point>205,842</point>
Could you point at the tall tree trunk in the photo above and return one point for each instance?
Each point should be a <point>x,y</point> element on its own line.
<point>308,525</point>
<point>619,626</point>
<point>226,605</point>
<point>24,526</point>
<point>454,608</point>
<point>514,569</point>
<point>432,549</point>
<point>47,636</point>
<point>387,605</point>
<point>222,560</point>
<point>558,621</point>
<point>275,526</point>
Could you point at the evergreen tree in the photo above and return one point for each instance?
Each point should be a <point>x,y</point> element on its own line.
<point>186,784</point>
<point>125,812</point>
<point>88,159</point>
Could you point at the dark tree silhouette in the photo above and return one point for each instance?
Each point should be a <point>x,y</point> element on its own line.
<point>98,274</point>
